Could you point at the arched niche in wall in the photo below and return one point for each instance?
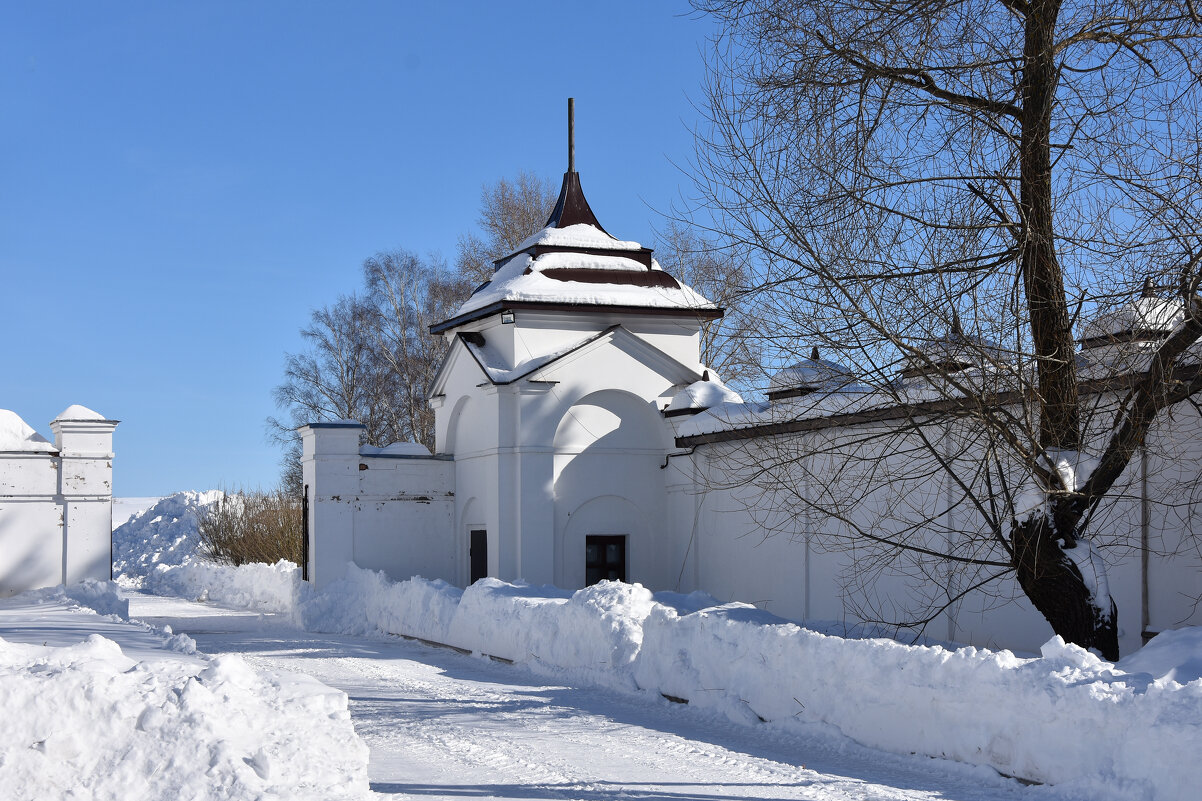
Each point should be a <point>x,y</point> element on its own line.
<point>455,425</point>
<point>602,516</point>
<point>609,446</point>
<point>471,518</point>
<point>611,419</point>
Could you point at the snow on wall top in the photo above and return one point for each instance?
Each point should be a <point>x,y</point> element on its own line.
<point>17,435</point>
<point>396,449</point>
<point>77,412</point>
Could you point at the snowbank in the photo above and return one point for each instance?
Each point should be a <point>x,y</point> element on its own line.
<point>86,721</point>
<point>159,550</point>
<point>265,588</point>
<point>1126,731</point>
<point>366,602</point>
<point>102,597</point>
<point>1066,718</point>
<point>597,630</point>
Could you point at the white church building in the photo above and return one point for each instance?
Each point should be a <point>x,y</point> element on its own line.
<point>580,438</point>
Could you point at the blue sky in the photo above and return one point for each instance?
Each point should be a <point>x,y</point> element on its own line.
<point>180,184</point>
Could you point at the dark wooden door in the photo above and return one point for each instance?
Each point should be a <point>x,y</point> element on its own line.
<point>604,558</point>
<point>478,554</point>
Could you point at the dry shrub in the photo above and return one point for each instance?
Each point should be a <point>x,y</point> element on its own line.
<point>258,526</point>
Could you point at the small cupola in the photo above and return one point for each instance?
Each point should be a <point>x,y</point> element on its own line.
<point>701,395</point>
<point>1137,325</point>
<point>807,376</point>
<point>953,352</point>
<point>573,263</point>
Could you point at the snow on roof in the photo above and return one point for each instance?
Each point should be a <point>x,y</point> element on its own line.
<point>589,261</point>
<point>580,235</point>
<point>77,412</point>
<point>703,395</point>
<point>17,435</point>
<point>847,399</point>
<point>521,278</point>
<point>1143,315</point>
<point>812,372</point>
<point>952,349</point>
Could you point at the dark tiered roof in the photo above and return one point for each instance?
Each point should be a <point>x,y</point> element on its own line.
<point>573,263</point>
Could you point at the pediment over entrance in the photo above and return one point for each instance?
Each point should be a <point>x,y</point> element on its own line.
<point>551,366</point>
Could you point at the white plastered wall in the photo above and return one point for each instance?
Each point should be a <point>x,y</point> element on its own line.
<point>56,506</point>
<point>385,512</point>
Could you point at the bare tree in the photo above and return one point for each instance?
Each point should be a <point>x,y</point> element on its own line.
<point>370,358</point>
<point>979,172</point>
<point>510,211</point>
<point>327,381</point>
<point>408,295</point>
<point>730,344</point>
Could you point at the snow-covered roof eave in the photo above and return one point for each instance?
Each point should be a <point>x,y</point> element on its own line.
<point>710,312</point>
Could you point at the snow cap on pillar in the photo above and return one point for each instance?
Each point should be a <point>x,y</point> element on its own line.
<point>79,431</point>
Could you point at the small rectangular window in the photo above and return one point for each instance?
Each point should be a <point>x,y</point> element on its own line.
<point>604,558</point>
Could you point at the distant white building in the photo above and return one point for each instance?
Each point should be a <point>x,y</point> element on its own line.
<point>580,438</point>
<point>55,500</point>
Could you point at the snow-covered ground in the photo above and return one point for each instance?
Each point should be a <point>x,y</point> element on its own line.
<point>442,725</point>
<point>97,708</point>
<point>774,710</point>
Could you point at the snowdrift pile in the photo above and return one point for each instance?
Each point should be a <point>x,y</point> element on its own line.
<point>165,534</point>
<point>1125,731</point>
<point>159,550</point>
<point>86,721</point>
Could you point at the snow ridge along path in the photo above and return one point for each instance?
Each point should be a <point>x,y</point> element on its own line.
<point>441,725</point>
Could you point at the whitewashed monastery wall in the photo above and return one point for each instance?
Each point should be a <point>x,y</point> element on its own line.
<point>55,501</point>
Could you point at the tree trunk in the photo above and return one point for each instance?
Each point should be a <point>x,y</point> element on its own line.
<point>1046,574</point>
<point>1055,586</point>
<point>1051,328</point>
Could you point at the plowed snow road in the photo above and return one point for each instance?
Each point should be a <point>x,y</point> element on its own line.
<point>441,725</point>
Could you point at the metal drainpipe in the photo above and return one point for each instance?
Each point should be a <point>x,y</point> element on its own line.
<point>809,524</point>
<point>1144,544</point>
<point>947,524</point>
